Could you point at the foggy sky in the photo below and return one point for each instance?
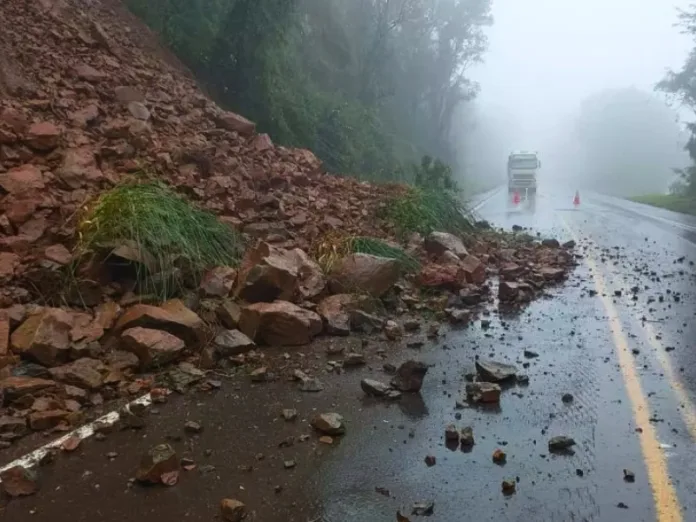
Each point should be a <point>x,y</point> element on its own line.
<point>545,56</point>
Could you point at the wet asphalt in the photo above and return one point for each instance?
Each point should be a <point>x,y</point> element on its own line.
<point>642,257</point>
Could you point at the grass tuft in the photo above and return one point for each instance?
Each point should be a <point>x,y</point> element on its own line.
<point>424,211</point>
<point>336,245</point>
<point>171,241</point>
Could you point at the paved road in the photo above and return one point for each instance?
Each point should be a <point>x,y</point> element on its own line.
<point>620,336</point>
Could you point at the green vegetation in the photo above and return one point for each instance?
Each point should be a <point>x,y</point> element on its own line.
<point>674,202</point>
<point>370,86</point>
<point>336,245</point>
<point>166,239</point>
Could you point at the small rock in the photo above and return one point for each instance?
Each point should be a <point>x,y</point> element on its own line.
<point>329,424</point>
<point>499,456</point>
<point>289,414</point>
<point>354,359</point>
<point>430,461</point>
<point>193,427</point>
<point>412,325</point>
<point>561,443</point>
<point>158,464</point>
<point>423,509</point>
<point>451,433</point>
<point>467,437</point>
<point>485,392</point>
<point>509,486</point>
<point>393,331</point>
<point>409,376</point>
<point>232,510</point>
<point>19,481</point>
<point>375,388</point>
<point>567,398</point>
<point>259,374</point>
<point>530,354</point>
<point>71,444</point>
<point>492,371</point>
<point>629,476</point>
<point>325,439</point>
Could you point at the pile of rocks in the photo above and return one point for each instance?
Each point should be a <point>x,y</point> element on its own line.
<point>86,101</point>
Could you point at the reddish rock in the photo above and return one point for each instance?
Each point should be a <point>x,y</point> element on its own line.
<point>152,347</point>
<point>85,373</point>
<point>311,279</point>
<point>86,116</point>
<point>58,254</point>
<point>335,310</point>
<point>12,427</point>
<point>19,481</point>
<point>267,274</point>
<point>364,273</point>
<point>14,119</point>
<point>474,271</point>
<point>79,168</point>
<point>234,122</point>
<point>44,337</point>
<point>88,73</point>
<point>219,282</point>
<point>159,462</point>
<point>8,264</point>
<point>232,342</point>
<point>126,94</point>
<point>552,274</point>
<point>4,333</point>
<point>46,420</point>
<point>43,136</point>
<point>262,142</point>
<point>107,313</point>
<point>279,323</point>
<point>26,178</point>
<point>173,317</point>
<point>409,376</point>
<point>510,270</point>
<point>138,110</point>
<point>228,313</point>
<point>232,510</point>
<point>449,276</point>
<point>12,388</point>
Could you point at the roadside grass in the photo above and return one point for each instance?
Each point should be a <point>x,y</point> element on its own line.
<point>425,210</point>
<point>169,241</point>
<point>674,202</point>
<point>334,246</point>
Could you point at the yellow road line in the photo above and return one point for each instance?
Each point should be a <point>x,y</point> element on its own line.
<point>667,507</point>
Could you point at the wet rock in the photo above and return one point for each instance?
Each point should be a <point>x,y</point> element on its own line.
<point>561,444</point>
<point>444,276</point>
<point>499,456</point>
<point>409,376</point>
<point>393,331</point>
<point>85,372</point>
<point>374,388</point>
<point>508,291</point>
<point>474,270</point>
<point>509,486</point>
<point>492,371</point>
<point>14,387</point>
<point>218,282</point>
<point>629,476</point>
<point>280,323</point>
<point>44,337</point>
<point>551,243</point>
<point>437,243</point>
<point>361,321</point>
<point>172,317</point>
<point>467,437</point>
<point>458,316</point>
<point>569,244</point>
<point>157,464</point>
<point>152,347</point>
<point>430,461</point>
<point>552,274</point>
<point>232,342</point>
<point>193,427</point>
<point>289,414</point>
<point>484,392</point>
<point>335,310</point>
<point>329,424</point>
<point>232,510</point>
<point>267,274</point>
<point>451,433</point>
<point>19,481</point>
<point>373,275</point>
<point>567,398</point>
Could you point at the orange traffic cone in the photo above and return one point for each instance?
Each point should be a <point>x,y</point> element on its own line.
<point>576,199</point>
<point>516,198</point>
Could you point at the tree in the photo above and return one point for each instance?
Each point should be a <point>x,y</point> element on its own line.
<point>629,143</point>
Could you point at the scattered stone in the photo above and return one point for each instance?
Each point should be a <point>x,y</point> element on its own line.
<point>393,331</point>
<point>325,439</point>
<point>374,388</point>
<point>354,359</point>
<point>334,311</point>
<point>329,424</point>
<point>423,509</point>
<point>499,456</point>
<point>522,379</point>
<point>567,398</point>
<point>561,444</point>
<point>232,510</point>
<point>193,427</point>
<point>485,392</point>
<point>629,476</point>
<point>467,437</point>
<point>437,243</point>
<point>492,371</point>
<point>289,414</point>
<point>219,282</point>
<point>71,444</point>
<point>259,374</point>
<point>451,433</point>
<point>430,461</point>
<point>44,337</point>
<point>373,275</point>
<point>232,342</point>
<point>530,354</point>
<point>509,486</point>
<point>280,323</point>
<point>157,464</point>
<point>19,481</point>
<point>412,325</point>
<point>409,376</point>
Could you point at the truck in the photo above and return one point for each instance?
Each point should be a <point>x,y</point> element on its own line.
<point>522,170</point>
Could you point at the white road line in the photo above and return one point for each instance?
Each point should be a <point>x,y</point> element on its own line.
<point>31,459</point>
<point>482,203</point>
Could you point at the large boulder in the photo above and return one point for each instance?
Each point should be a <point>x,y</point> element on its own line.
<point>437,243</point>
<point>84,373</point>
<point>234,122</point>
<point>44,337</point>
<point>279,323</point>
<point>232,342</point>
<point>364,273</point>
<point>152,347</point>
<point>267,274</point>
<point>474,270</point>
<point>219,281</point>
<point>14,387</point>
<point>172,317</point>
<point>335,311</point>
<point>311,279</point>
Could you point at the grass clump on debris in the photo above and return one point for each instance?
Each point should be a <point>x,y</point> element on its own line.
<point>335,246</point>
<point>166,239</point>
<point>424,210</point>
